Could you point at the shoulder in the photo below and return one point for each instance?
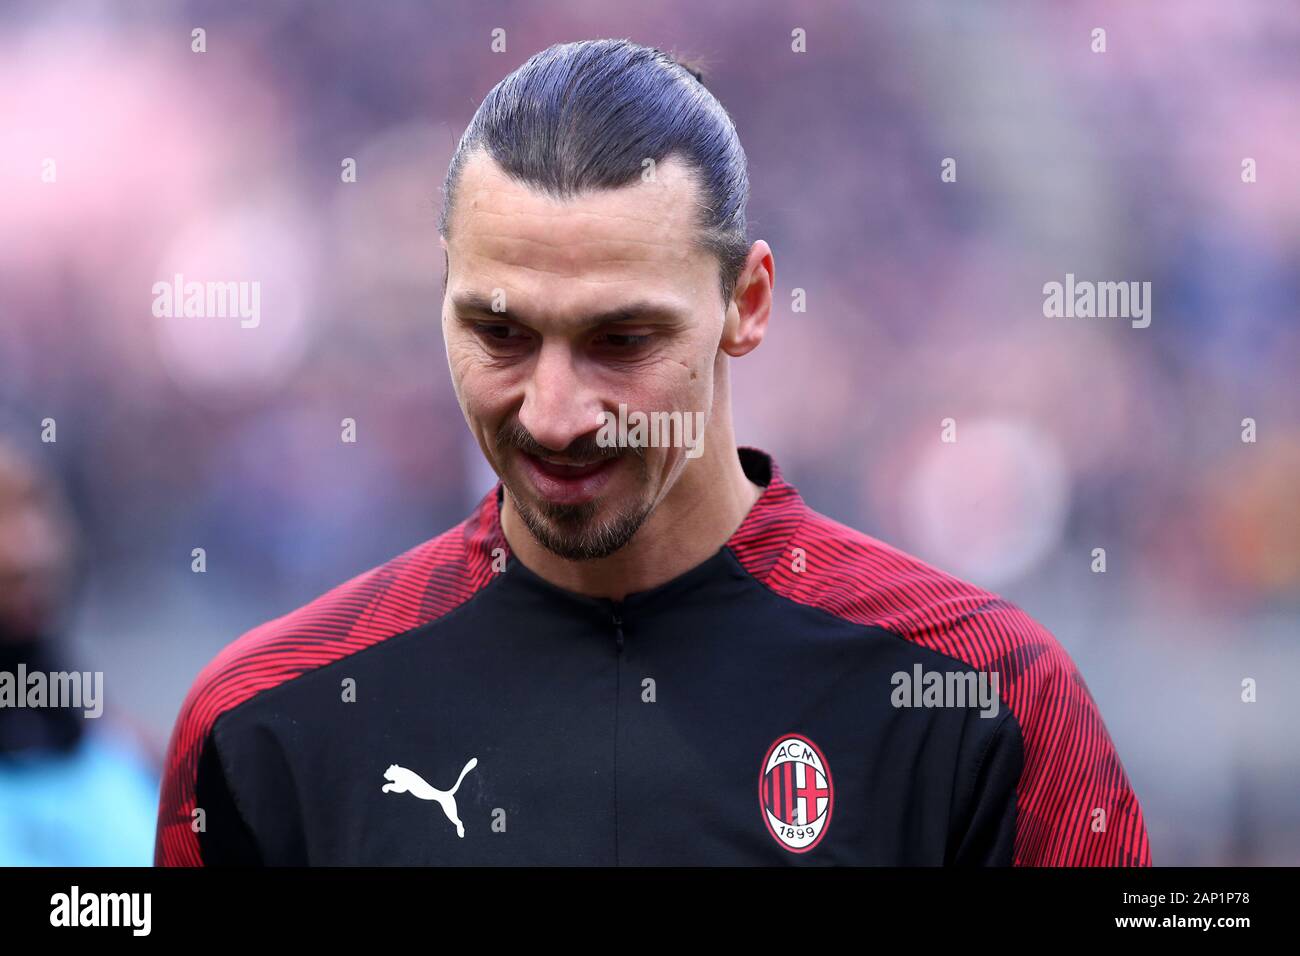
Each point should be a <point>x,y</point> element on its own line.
<point>850,574</point>
<point>1070,768</point>
<point>847,573</point>
<point>408,591</point>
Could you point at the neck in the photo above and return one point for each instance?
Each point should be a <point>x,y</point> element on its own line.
<point>699,514</point>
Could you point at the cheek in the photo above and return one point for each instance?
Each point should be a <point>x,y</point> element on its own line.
<point>695,385</point>
<point>680,383</point>
<point>479,385</point>
<point>484,404</point>
<point>461,355</point>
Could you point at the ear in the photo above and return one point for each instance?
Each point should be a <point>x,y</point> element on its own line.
<point>751,306</point>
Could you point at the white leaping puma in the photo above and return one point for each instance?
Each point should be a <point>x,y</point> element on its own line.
<point>402,780</point>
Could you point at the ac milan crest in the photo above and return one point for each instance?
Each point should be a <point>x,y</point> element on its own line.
<point>795,793</point>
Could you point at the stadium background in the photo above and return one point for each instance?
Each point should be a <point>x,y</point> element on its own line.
<point>924,302</point>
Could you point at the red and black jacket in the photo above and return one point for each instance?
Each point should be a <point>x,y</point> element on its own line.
<point>451,707</point>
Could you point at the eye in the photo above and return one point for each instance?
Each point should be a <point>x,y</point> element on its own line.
<point>622,341</point>
<point>499,333</point>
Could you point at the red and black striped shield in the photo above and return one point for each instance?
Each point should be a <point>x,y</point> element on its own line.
<point>795,792</point>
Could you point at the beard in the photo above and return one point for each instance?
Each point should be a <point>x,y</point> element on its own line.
<point>575,532</point>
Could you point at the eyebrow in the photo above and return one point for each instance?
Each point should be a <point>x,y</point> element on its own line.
<point>474,302</point>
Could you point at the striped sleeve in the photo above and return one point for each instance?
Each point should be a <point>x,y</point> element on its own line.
<point>1075,806</point>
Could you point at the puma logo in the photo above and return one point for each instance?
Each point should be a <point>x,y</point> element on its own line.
<point>401,780</point>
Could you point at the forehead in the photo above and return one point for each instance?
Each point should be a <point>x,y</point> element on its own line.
<point>506,234</point>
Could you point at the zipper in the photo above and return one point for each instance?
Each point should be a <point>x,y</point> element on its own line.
<point>617,615</point>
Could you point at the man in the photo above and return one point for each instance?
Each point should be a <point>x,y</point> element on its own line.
<point>632,651</point>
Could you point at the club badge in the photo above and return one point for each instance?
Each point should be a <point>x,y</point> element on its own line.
<point>795,793</point>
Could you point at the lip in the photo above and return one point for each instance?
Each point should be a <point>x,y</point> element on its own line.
<point>563,485</point>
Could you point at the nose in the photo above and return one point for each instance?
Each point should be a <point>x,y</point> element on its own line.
<point>559,407</point>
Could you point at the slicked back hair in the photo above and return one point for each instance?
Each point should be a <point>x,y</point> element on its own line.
<point>579,117</point>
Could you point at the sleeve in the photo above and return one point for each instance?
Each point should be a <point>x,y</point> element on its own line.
<point>176,835</point>
<point>199,821</point>
<point>987,838</point>
<point>1051,790</point>
<point>225,839</point>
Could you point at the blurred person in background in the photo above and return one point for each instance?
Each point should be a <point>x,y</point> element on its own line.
<point>74,790</point>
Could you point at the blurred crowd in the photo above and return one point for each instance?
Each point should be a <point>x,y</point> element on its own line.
<point>127,157</point>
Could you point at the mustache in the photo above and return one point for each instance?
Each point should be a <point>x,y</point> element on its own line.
<point>581,451</point>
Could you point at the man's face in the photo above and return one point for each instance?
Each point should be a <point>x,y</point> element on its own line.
<point>600,300</point>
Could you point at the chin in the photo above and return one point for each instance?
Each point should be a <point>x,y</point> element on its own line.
<point>582,532</point>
